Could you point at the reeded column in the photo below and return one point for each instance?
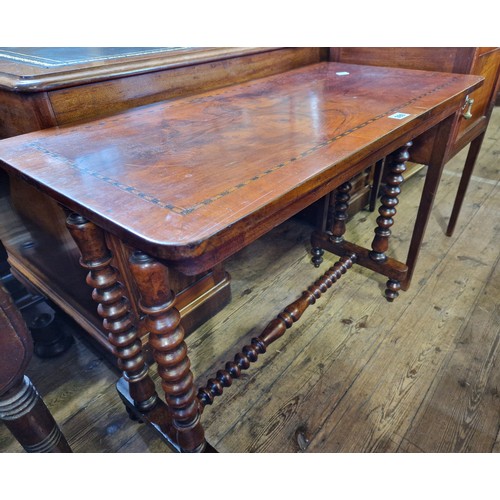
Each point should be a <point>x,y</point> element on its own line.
<point>114,308</point>
<point>166,337</point>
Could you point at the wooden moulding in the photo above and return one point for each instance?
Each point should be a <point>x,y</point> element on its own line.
<point>30,78</point>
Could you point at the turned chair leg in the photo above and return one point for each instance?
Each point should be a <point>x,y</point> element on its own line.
<point>21,408</point>
<point>28,419</point>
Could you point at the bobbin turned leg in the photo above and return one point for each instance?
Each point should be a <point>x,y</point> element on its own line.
<point>166,337</point>
<point>342,197</point>
<point>339,203</point>
<point>114,308</point>
<point>387,211</point>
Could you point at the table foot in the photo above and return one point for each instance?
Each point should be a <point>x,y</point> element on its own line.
<point>317,256</point>
<point>391,292</point>
<point>157,418</point>
<point>49,338</point>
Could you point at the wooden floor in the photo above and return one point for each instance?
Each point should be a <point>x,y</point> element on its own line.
<point>357,374</point>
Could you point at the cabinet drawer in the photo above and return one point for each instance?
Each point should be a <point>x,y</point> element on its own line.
<point>486,65</point>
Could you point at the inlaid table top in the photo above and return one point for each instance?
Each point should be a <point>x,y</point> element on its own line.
<point>210,173</point>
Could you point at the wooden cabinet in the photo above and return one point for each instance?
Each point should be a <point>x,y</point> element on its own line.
<point>42,88</point>
<point>470,127</point>
<point>483,61</point>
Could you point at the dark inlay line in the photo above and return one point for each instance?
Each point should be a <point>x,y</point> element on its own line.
<point>188,210</point>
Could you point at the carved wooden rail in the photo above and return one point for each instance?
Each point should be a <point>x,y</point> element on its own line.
<point>273,331</point>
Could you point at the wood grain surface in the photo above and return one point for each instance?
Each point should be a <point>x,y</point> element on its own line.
<point>208,174</point>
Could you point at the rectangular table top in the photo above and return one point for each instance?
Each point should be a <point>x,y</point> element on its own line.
<point>210,173</point>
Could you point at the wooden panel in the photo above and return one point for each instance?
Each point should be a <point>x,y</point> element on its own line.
<point>24,113</point>
<point>111,96</point>
<point>485,50</point>
<point>452,60</point>
<point>486,65</point>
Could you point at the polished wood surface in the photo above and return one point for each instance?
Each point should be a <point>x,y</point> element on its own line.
<point>41,88</point>
<point>113,95</point>
<point>222,168</point>
<point>87,86</point>
<point>25,69</point>
<point>483,61</point>
<point>447,59</point>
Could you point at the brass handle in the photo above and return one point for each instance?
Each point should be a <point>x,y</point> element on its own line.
<point>468,102</point>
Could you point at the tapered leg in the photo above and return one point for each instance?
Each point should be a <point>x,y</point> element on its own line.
<point>434,172</point>
<point>166,337</point>
<point>114,308</point>
<point>474,148</point>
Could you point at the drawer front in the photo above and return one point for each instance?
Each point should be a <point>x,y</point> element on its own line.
<point>486,65</point>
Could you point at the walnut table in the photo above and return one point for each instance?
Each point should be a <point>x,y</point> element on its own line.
<point>187,183</point>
